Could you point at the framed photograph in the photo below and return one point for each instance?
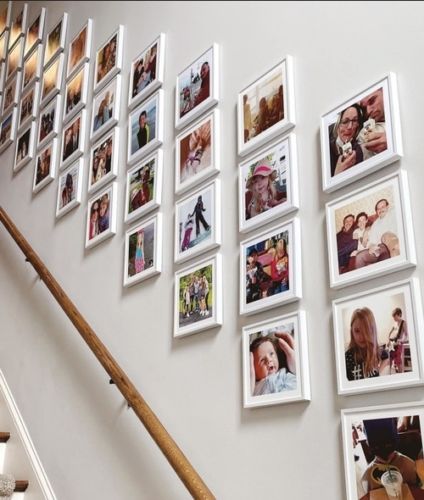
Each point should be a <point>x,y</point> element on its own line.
<point>2,75</point>
<point>48,122</point>
<point>109,59</point>
<point>197,87</point>
<point>25,147</point>
<point>143,251</point>
<point>147,71</point>
<point>144,187</point>
<point>73,140</point>
<point>55,41</point>
<point>15,58</point>
<point>379,339</point>
<point>32,68</point>
<point>76,93</point>
<point>4,40</point>
<point>361,135</point>
<point>35,32</point>
<point>11,94</point>
<point>198,222</point>
<point>104,161</point>
<point>370,232</point>
<point>45,166</point>
<point>275,362</point>
<point>266,108</point>
<point>106,108</point>
<point>268,184</point>
<point>52,80</point>
<point>28,106</point>
<point>375,437</point>
<point>69,188</point>
<point>8,129</point>
<point>145,128</point>
<point>197,153</point>
<point>80,49</point>
<point>5,17</point>
<point>18,26</point>
<point>198,297</point>
<point>101,216</point>
<point>270,268</point>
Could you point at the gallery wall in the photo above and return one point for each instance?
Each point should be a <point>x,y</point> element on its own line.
<point>90,444</point>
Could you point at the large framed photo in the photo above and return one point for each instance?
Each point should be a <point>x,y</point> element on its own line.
<point>197,153</point>
<point>69,188</point>
<point>76,93</point>
<point>5,17</point>
<point>8,128</point>
<point>80,49</point>
<point>198,297</point>
<point>15,58</point>
<point>361,135</point>
<point>270,268</point>
<point>48,122</point>
<point>45,166</point>
<point>104,161</point>
<point>101,216</point>
<point>35,32</point>
<point>266,108</point>
<point>25,147</point>
<point>106,108</point>
<point>28,106</point>
<point>198,222</point>
<point>32,68</point>
<point>109,59</point>
<point>143,251</point>
<point>4,40</point>
<point>382,451</point>
<point>147,71</point>
<point>370,232</point>
<point>11,94</point>
<point>379,339</point>
<point>268,184</point>
<point>275,361</point>
<point>19,24</point>
<point>73,140</point>
<point>145,127</point>
<point>52,80</point>
<point>197,87</point>
<point>55,41</point>
<point>144,187</point>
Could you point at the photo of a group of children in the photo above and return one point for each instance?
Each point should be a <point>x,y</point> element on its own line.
<point>195,291</point>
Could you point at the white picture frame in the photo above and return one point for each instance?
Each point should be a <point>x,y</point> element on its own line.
<point>192,98</point>
<point>288,379</point>
<point>104,156</point>
<point>106,108</point>
<point>45,165</point>
<point>18,25</point>
<point>48,122</point>
<point>32,68</point>
<point>80,49</point>
<point>146,239</point>
<point>109,195</point>
<point>5,17</point>
<point>4,45</point>
<point>28,106</point>
<point>108,61</point>
<point>396,252</point>
<point>8,129</point>
<point>69,191</point>
<point>35,32</point>
<point>55,40</point>
<point>15,58</point>
<point>73,140</point>
<point>76,92</point>
<point>11,94</point>
<point>52,80</point>
<point>25,146</point>
<point>274,88</point>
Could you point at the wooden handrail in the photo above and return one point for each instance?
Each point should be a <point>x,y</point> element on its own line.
<point>190,478</point>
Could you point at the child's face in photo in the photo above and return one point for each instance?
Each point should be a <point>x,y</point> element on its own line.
<point>265,360</point>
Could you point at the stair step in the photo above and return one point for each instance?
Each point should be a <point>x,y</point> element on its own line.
<point>21,485</point>
<point>4,437</point>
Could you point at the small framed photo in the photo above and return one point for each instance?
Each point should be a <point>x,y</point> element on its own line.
<point>69,188</point>
<point>143,251</point>
<point>106,108</point>
<point>147,71</point>
<point>45,166</point>
<point>76,93</point>
<point>11,94</point>
<point>101,216</point>
<point>28,106</point>
<point>5,17</point>
<point>104,161</point>
<point>4,41</point>
<point>379,339</point>
<point>25,147</point>
<point>266,108</point>
<point>197,153</point>
<point>8,129</point>
<point>55,41</point>
<point>19,25</point>
<point>145,128</point>
<point>109,59</point>
<point>80,49</point>
<point>284,377</point>
<point>197,87</point>
<point>270,269</point>
<point>35,32</point>
<point>15,58</point>
<point>73,140</point>
<point>144,187</point>
<point>32,68</point>
<point>382,444</point>
<point>268,184</point>
<point>198,222</point>
<point>48,122</point>
<point>370,232</point>
<point>361,135</point>
<point>198,297</point>
<point>52,80</point>
<point>2,75</point>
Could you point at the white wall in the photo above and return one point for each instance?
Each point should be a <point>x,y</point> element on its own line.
<point>91,446</point>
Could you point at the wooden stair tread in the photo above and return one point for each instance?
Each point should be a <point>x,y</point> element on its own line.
<point>4,437</point>
<point>21,485</point>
